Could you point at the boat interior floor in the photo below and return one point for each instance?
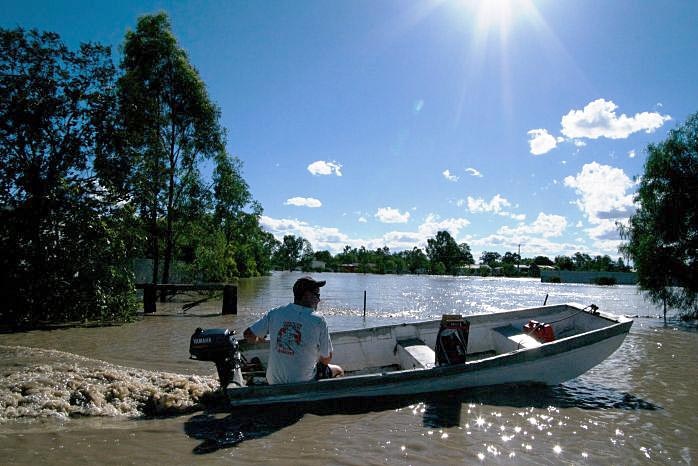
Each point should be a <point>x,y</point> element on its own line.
<point>419,359</point>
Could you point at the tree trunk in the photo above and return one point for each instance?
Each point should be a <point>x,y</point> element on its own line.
<point>664,311</point>
<point>169,246</point>
<point>168,259</point>
<point>155,243</point>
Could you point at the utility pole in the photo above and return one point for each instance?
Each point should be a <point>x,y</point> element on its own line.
<point>518,266</point>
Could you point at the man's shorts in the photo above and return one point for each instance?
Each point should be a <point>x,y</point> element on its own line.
<point>322,371</point>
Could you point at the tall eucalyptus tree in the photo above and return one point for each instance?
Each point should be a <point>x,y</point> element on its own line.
<point>170,124</point>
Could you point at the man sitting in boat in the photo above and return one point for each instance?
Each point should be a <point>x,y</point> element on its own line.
<point>301,348</point>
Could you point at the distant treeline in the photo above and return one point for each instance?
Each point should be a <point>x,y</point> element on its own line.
<point>443,256</point>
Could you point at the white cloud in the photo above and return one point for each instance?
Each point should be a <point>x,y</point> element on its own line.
<point>332,239</point>
<point>535,239</point>
<point>541,142</point>
<point>603,197</point>
<point>320,167</point>
<point>599,119</point>
<point>546,225</point>
<point>473,172</point>
<point>390,215</point>
<point>447,174</point>
<point>579,143</point>
<point>320,237</point>
<point>519,217</point>
<point>531,246</point>
<point>304,202</point>
<point>495,205</point>
<point>433,224</point>
<point>362,219</point>
<point>632,154</point>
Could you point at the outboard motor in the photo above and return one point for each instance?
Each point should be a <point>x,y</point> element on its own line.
<point>220,346</point>
<point>452,340</point>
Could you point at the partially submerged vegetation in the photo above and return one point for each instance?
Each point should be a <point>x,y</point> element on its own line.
<point>101,166</point>
<point>663,233</point>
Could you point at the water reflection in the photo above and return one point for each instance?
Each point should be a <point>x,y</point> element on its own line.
<point>443,412</point>
<point>438,411</point>
<point>217,433</point>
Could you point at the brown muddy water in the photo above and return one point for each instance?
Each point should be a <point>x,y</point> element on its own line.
<point>130,395</point>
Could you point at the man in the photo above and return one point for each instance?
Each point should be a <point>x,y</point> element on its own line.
<point>300,345</point>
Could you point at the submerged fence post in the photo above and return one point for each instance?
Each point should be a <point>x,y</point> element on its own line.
<point>230,299</point>
<point>364,304</point>
<point>149,299</point>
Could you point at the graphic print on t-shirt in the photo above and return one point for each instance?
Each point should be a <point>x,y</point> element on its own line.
<point>288,338</point>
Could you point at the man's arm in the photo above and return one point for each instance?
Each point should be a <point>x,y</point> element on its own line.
<point>326,360</point>
<point>251,337</point>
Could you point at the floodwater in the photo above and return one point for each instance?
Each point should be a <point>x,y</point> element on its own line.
<point>130,395</point>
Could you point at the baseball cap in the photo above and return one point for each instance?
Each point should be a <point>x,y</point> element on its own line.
<point>306,283</point>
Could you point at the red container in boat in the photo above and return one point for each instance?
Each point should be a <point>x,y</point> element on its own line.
<point>540,331</point>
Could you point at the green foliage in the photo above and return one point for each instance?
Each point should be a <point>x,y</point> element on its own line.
<point>511,258</point>
<point>416,261</point>
<point>509,270</point>
<point>438,268</point>
<point>490,258</point>
<point>288,255</point>
<point>663,233</point>
<point>169,125</point>
<point>543,260</point>
<point>96,171</point>
<point>564,263</point>
<point>445,251</point>
<point>64,257</point>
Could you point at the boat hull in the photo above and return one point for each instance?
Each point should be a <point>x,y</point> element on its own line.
<point>549,364</point>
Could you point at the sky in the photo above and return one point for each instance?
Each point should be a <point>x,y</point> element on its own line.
<point>512,124</point>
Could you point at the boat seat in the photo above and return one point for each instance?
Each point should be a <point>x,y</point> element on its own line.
<point>510,338</point>
<point>413,353</point>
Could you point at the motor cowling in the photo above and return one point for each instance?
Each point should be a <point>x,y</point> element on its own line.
<point>452,340</point>
<point>219,346</point>
<point>212,344</point>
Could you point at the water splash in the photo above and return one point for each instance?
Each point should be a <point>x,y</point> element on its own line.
<point>42,383</point>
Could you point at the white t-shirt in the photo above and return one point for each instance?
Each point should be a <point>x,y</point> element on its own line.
<point>298,337</point>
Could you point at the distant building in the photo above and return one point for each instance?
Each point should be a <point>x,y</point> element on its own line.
<point>357,267</point>
<point>473,269</point>
<point>317,265</point>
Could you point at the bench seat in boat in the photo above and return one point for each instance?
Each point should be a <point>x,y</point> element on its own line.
<point>413,353</point>
<point>509,338</point>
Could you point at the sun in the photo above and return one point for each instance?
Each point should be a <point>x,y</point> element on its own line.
<point>494,14</point>
<point>487,51</point>
<point>498,16</point>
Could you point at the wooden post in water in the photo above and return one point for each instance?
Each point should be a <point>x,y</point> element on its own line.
<point>149,299</point>
<point>230,300</point>
<point>364,304</point>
